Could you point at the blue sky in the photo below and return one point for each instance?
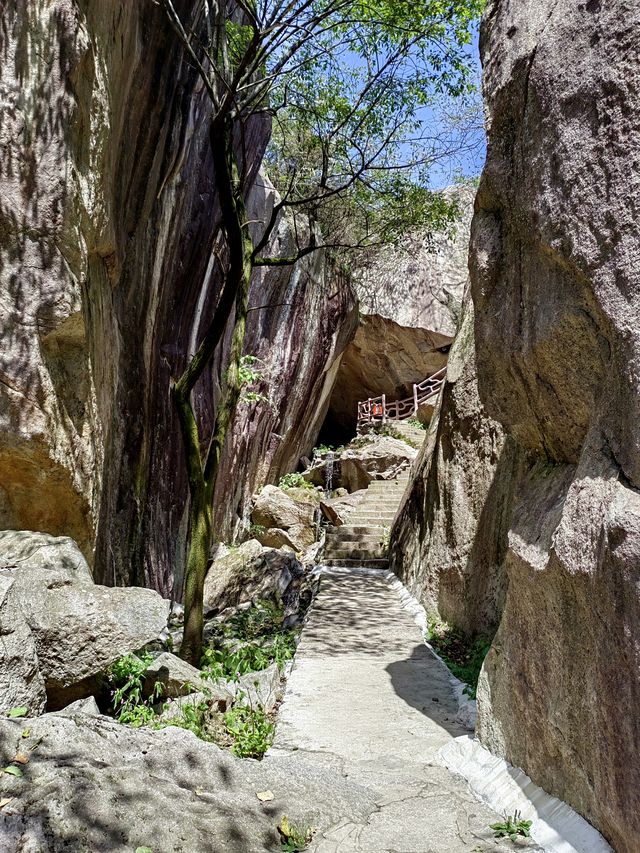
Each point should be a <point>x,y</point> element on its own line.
<point>468,164</point>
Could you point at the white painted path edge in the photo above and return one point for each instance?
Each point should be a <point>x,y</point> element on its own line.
<point>556,826</point>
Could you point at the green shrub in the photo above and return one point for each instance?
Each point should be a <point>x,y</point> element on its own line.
<point>251,730</point>
<point>262,640</point>
<point>196,717</point>
<point>414,422</point>
<point>294,480</point>
<point>262,619</point>
<point>322,449</point>
<point>126,677</point>
<point>228,663</point>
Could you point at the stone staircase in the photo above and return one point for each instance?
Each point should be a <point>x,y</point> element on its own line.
<point>413,434</point>
<point>364,541</point>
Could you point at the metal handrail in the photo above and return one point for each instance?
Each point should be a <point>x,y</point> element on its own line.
<point>377,410</point>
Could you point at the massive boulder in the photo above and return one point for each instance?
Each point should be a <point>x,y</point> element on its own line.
<point>367,458</point>
<point>421,281</point>
<point>80,629</point>
<point>109,226</point>
<point>555,281</point>
<point>450,535</point>
<point>252,572</point>
<point>337,510</point>
<point>59,629</point>
<point>383,358</point>
<point>285,518</point>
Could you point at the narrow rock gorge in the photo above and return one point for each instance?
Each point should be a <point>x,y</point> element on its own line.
<point>337,546</point>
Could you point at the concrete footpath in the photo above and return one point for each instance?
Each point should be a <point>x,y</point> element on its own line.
<point>367,697</point>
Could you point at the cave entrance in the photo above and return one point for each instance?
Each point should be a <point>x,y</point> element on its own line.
<point>384,358</point>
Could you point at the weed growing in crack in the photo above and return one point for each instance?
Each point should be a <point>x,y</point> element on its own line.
<point>251,730</point>
<point>512,827</point>
<point>293,838</point>
<point>126,677</point>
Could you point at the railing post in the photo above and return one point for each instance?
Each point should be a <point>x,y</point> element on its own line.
<point>384,409</point>
<point>415,400</point>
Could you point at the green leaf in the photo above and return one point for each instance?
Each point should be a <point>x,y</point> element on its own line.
<point>21,711</point>
<point>12,770</point>
<point>144,850</point>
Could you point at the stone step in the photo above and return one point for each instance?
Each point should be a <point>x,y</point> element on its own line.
<point>356,564</point>
<point>381,503</point>
<point>375,517</point>
<point>373,535</point>
<point>376,490</point>
<point>358,528</point>
<point>353,554</point>
<point>400,483</point>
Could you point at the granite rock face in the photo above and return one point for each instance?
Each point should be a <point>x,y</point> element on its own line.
<point>285,518</point>
<point>108,222</point>
<point>555,270</point>
<point>173,792</point>
<point>450,536</point>
<point>421,282</point>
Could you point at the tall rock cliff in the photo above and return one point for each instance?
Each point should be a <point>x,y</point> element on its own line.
<point>108,217</point>
<point>555,275</point>
<point>556,285</point>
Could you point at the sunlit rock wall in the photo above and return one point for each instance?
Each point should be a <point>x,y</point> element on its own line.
<point>107,222</point>
<point>538,437</point>
<point>421,281</point>
<point>556,283</point>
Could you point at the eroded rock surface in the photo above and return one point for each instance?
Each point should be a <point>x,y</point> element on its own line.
<point>544,454</point>
<point>173,792</point>
<point>59,630</point>
<point>57,554</point>
<point>555,279</point>
<point>21,681</point>
<point>108,229</point>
